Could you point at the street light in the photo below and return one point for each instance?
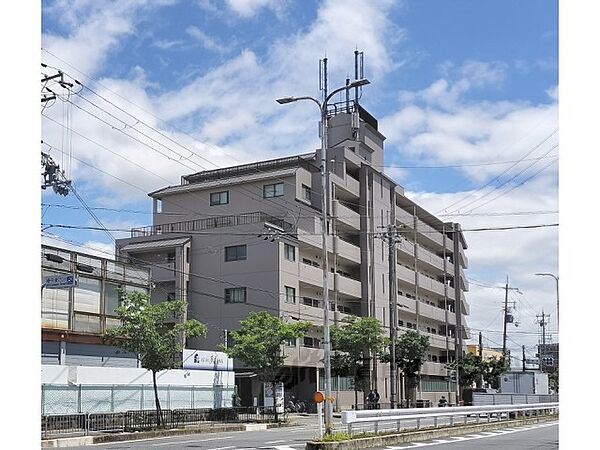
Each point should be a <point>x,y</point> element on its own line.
<point>555,279</point>
<point>324,203</point>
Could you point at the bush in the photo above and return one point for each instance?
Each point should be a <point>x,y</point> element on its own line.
<point>222,415</point>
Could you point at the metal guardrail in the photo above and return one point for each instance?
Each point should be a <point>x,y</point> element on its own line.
<point>378,417</point>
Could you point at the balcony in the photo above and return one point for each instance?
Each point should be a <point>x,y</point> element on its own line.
<point>348,286</point>
<point>303,356</point>
<point>433,312</point>
<point>347,250</point>
<point>313,275</point>
<point>346,215</point>
<point>163,272</point>
<point>348,183</point>
<point>431,285</point>
<point>437,341</point>
<point>433,368</point>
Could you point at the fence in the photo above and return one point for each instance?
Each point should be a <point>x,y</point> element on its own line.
<point>139,420</point>
<point>81,399</point>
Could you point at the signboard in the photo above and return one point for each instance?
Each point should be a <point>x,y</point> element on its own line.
<point>268,396</point>
<point>60,281</point>
<point>206,360</point>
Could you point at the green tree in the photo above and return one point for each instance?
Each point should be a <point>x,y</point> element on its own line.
<point>355,342</point>
<point>258,344</point>
<point>411,348</point>
<point>146,331</point>
<point>492,369</point>
<point>469,369</point>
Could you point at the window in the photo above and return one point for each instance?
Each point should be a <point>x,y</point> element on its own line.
<point>291,342</point>
<point>289,252</point>
<point>273,190</point>
<point>187,255</point>
<point>311,342</point>
<point>306,193</point>
<point>219,198</point>
<point>235,253</point>
<point>171,256</point>
<point>235,295</point>
<point>310,302</point>
<point>159,205</point>
<point>87,295</point>
<point>401,323</point>
<point>112,298</point>
<point>170,296</point>
<point>290,294</point>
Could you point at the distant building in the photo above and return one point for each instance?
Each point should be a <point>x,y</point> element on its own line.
<point>488,353</point>
<point>548,357</point>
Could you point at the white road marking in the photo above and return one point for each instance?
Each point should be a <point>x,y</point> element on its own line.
<point>275,442</point>
<point>482,435</point>
<point>191,442</point>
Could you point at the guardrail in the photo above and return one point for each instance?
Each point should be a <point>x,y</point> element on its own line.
<point>392,418</point>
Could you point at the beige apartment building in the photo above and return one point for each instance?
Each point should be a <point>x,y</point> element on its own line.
<point>247,238</point>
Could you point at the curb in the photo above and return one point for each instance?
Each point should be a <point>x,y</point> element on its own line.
<point>133,436</point>
<point>423,435</point>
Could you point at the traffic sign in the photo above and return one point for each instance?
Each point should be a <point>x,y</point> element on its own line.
<point>60,281</point>
<point>318,397</point>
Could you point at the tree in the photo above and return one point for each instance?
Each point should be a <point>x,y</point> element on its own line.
<point>144,330</point>
<point>469,369</point>
<point>411,348</point>
<point>355,342</point>
<point>258,344</point>
<point>492,369</point>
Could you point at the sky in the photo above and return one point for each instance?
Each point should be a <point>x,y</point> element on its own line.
<point>173,87</point>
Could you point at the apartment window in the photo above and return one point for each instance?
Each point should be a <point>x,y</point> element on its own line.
<point>400,323</point>
<point>187,254</point>
<point>159,205</point>
<point>434,358</point>
<point>219,198</point>
<point>306,192</point>
<point>273,190</point>
<point>383,282</point>
<point>235,253</point>
<point>310,302</point>
<point>235,295</point>
<point>289,252</point>
<point>171,256</point>
<point>291,342</point>
<point>311,342</point>
<point>290,294</point>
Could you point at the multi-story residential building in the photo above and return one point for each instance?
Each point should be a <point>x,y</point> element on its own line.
<point>208,245</point>
<point>74,319</point>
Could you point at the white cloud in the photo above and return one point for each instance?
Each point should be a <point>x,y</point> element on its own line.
<point>249,8</point>
<point>207,42</point>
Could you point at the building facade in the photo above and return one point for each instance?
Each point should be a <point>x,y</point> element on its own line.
<point>75,319</point>
<point>247,238</point>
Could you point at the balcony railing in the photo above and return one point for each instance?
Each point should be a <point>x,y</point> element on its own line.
<point>210,223</point>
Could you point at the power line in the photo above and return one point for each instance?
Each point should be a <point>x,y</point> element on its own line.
<point>502,173</point>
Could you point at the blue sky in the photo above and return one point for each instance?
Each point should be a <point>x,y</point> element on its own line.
<point>455,83</point>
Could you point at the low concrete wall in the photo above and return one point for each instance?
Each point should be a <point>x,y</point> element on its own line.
<point>422,435</point>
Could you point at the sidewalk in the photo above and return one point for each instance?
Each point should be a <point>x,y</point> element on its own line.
<point>130,436</point>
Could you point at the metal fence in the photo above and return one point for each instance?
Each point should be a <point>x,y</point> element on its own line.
<point>78,399</point>
<point>139,420</point>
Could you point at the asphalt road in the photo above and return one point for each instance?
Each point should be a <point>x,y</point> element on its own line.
<point>537,436</point>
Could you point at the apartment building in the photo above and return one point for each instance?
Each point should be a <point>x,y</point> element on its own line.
<point>247,238</point>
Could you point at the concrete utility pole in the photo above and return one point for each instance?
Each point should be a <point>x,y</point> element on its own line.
<point>392,237</point>
<point>481,355</point>
<point>506,289</point>
<point>555,279</point>
<point>523,358</point>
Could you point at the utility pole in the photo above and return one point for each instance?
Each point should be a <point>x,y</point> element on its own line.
<point>506,289</point>
<point>481,355</point>
<point>523,358</point>
<point>392,237</point>
<point>542,322</point>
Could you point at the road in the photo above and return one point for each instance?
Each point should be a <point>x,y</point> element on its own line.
<point>542,436</point>
<point>537,436</point>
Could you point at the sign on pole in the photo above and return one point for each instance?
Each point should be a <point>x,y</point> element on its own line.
<point>60,281</point>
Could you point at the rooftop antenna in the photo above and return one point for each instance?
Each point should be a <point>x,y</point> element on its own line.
<point>323,77</point>
<point>359,72</point>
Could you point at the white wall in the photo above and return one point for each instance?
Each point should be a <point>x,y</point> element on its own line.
<point>52,374</point>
